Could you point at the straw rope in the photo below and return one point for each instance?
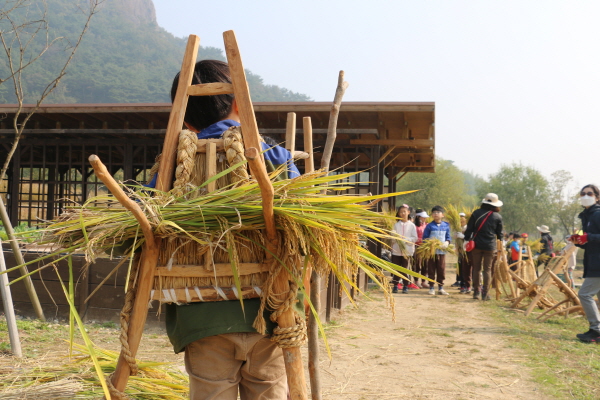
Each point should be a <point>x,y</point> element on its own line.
<point>294,336</point>
<point>115,393</point>
<point>234,150</point>
<point>186,155</point>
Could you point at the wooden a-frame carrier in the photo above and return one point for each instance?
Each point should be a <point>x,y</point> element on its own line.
<point>150,252</point>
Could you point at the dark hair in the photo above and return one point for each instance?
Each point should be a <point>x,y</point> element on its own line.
<point>438,208</point>
<point>489,207</point>
<point>594,189</point>
<point>516,235</point>
<point>401,207</point>
<point>203,111</point>
<point>417,218</point>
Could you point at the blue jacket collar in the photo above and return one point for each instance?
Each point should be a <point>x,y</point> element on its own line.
<point>215,130</point>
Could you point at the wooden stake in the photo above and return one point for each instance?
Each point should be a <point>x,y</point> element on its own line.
<point>292,356</point>
<point>33,297</point>
<point>211,165</point>
<point>315,287</point>
<point>150,253</point>
<point>9,311</point>
<point>290,132</point>
<point>333,118</point>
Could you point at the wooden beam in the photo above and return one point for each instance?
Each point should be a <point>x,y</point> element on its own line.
<point>202,143</point>
<point>221,269</point>
<point>391,161</point>
<point>210,89</point>
<point>387,153</point>
<point>394,142</point>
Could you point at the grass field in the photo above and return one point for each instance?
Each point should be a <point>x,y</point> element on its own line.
<point>563,366</point>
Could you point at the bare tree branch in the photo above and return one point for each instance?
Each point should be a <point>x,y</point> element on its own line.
<point>16,73</point>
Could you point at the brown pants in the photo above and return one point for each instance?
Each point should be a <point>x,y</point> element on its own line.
<point>221,365</point>
<point>419,266</point>
<point>482,259</point>
<point>464,262</point>
<point>437,266</point>
<point>402,262</point>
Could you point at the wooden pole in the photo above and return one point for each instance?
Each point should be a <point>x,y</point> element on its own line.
<point>290,132</point>
<point>333,118</point>
<point>33,297</point>
<point>9,311</point>
<point>315,287</point>
<point>150,251</point>
<point>292,356</point>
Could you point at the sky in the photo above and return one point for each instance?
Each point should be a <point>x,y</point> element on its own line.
<point>512,81</point>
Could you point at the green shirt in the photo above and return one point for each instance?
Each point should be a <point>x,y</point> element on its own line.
<point>190,322</point>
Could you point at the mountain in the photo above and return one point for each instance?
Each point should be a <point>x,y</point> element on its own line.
<point>125,57</point>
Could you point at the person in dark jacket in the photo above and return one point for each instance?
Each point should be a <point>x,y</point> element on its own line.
<point>547,246</point>
<point>590,242</point>
<point>484,227</point>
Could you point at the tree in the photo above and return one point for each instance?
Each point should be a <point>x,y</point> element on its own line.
<point>445,186</point>
<point>564,197</point>
<point>26,36</point>
<point>525,193</point>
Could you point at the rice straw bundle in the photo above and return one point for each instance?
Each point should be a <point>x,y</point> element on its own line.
<point>558,247</point>
<point>229,222</point>
<point>428,248</point>
<point>453,218</point>
<point>78,379</point>
<point>535,245</point>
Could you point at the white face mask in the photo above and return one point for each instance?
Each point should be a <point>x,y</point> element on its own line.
<point>587,201</point>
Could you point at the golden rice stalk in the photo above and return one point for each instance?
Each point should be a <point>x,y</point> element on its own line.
<point>558,247</point>
<point>468,212</point>
<point>542,258</point>
<point>77,379</point>
<point>428,248</point>
<point>453,218</point>
<point>535,245</point>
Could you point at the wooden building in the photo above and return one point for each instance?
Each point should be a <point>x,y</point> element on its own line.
<point>49,169</point>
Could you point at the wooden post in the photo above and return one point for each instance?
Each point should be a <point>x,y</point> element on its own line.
<point>290,132</point>
<point>35,302</point>
<point>292,356</point>
<point>333,118</point>
<point>315,286</point>
<point>150,251</point>
<point>9,311</point>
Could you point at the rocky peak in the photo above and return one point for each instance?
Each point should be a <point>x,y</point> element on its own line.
<point>135,11</point>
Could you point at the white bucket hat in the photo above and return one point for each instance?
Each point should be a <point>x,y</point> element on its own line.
<point>462,214</point>
<point>492,199</point>
<point>423,214</point>
<point>543,229</point>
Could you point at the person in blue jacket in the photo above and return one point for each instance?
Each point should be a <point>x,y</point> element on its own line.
<point>436,268</point>
<point>224,354</point>
<point>590,242</point>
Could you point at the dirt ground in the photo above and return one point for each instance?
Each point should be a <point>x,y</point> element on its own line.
<point>438,348</point>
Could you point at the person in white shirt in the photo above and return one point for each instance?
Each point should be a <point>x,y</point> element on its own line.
<point>402,252</point>
<point>571,261</point>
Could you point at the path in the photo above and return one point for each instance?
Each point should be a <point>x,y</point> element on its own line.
<point>438,348</point>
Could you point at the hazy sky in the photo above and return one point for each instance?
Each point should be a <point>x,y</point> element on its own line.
<point>513,81</point>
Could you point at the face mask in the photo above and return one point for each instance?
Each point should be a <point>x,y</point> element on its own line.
<point>587,201</point>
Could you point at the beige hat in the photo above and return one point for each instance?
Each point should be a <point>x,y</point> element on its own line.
<point>543,229</point>
<point>492,199</point>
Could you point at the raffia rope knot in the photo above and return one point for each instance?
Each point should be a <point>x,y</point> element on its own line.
<point>293,336</point>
